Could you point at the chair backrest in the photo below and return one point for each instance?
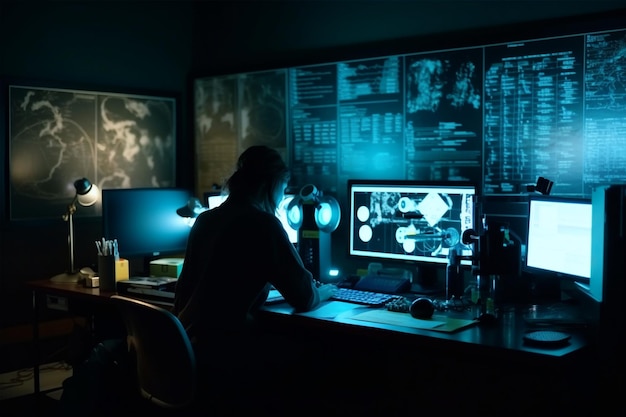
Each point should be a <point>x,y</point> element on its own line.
<point>165,360</point>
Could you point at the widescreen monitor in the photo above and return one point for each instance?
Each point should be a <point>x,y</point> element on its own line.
<point>559,238</point>
<point>144,220</point>
<point>215,199</point>
<point>415,221</point>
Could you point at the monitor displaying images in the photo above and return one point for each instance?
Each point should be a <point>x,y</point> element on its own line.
<point>410,220</point>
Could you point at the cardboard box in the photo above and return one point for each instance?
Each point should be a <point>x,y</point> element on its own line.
<point>166,267</point>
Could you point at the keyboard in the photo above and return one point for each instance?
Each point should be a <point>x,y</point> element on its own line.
<point>374,299</point>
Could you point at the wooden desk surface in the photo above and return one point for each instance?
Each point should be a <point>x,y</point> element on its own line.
<point>467,363</point>
<point>505,336</point>
<point>77,291</point>
<point>74,290</point>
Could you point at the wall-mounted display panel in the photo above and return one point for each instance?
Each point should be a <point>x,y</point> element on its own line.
<point>499,115</point>
<point>232,113</point>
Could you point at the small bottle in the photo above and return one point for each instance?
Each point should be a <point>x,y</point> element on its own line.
<point>490,301</point>
<point>478,295</point>
<point>454,276</point>
<point>485,300</point>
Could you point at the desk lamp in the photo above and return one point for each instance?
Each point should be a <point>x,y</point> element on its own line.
<point>191,210</point>
<point>315,216</point>
<point>86,195</point>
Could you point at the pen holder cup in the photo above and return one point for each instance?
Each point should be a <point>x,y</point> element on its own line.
<point>106,271</point>
<point>111,270</point>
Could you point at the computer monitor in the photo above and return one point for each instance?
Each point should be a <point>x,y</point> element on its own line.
<point>410,220</point>
<point>144,220</point>
<point>215,199</point>
<point>559,238</point>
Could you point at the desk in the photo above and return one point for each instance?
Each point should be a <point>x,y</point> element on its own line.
<point>484,369</point>
<point>67,291</point>
<point>505,336</point>
<point>70,292</point>
<point>464,351</point>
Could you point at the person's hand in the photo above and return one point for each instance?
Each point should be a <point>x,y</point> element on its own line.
<point>326,291</point>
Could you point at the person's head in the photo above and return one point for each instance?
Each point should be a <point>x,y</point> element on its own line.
<point>260,178</point>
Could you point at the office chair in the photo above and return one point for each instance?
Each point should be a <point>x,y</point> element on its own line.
<point>164,358</point>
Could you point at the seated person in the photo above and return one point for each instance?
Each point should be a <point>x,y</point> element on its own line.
<point>234,253</point>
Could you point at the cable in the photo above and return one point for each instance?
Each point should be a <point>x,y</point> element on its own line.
<point>26,374</point>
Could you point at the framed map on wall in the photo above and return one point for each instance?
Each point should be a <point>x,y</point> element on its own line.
<point>57,136</point>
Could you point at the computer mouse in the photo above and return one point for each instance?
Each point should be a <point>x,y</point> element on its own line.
<point>422,308</point>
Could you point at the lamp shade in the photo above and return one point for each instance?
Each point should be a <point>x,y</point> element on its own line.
<point>192,209</point>
<point>86,193</point>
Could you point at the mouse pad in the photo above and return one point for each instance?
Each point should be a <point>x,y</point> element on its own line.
<point>437,323</point>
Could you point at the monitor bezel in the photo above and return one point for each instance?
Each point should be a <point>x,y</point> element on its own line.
<point>545,273</point>
<point>419,260</point>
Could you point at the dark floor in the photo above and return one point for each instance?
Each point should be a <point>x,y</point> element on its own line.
<point>29,406</point>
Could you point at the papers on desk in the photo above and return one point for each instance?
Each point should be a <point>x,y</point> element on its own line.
<point>437,323</point>
<point>332,309</point>
<point>274,297</point>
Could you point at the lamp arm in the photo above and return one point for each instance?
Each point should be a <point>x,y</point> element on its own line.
<point>86,195</point>
<point>69,217</point>
<point>71,209</point>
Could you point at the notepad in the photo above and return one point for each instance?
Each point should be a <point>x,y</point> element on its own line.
<point>438,323</point>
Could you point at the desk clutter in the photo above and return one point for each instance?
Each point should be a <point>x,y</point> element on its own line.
<point>111,268</point>
<point>151,288</point>
<point>166,267</point>
<point>160,286</point>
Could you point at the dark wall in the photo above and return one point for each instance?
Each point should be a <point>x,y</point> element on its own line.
<point>104,46</point>
<point>274,34</point>
<point>161,45</point>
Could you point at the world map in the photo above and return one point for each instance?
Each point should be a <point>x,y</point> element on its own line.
<point>58,136</point>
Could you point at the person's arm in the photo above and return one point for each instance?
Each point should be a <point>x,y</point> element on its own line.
<point>292,279</point>
<point>325,291</point>
<point>260,299</point>
<point>320,293</point>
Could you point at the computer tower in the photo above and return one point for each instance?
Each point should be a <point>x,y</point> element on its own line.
<point>608,246</point>
<point>608,273</point>
<point>314,245</point>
